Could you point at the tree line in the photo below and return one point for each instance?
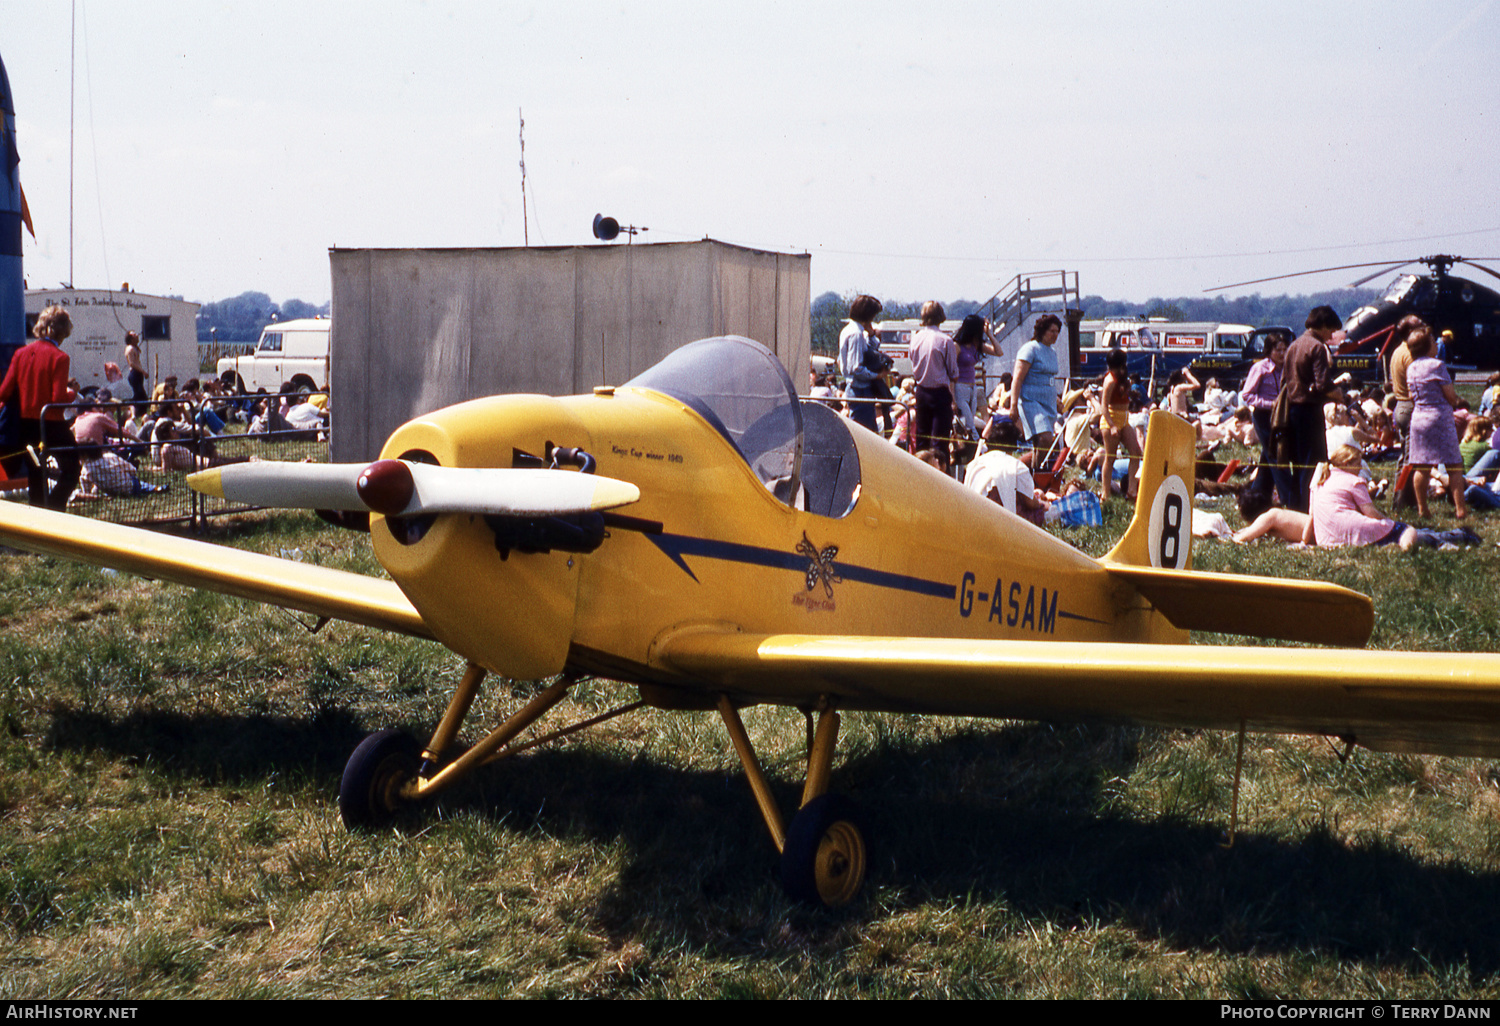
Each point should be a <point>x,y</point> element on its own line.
<point>241,318</point>
<point>830,311</point>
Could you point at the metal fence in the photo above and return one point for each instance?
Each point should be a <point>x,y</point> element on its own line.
<point>108,489</point>
<point>210,353</point>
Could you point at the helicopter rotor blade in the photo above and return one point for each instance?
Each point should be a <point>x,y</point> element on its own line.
<point>1320,270</point>
<point>1377,274</point>
<point>1486,270</point>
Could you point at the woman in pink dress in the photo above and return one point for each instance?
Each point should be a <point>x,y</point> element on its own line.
<point>1342,512</point>
<point>1434,437</point>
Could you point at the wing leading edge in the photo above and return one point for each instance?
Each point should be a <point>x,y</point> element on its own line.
<point>1436,703</point>
<point>336,594</point>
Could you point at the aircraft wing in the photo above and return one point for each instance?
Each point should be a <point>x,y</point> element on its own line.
<point>336,594</point>
<point>1262,607</point>
<point>1436,703</point>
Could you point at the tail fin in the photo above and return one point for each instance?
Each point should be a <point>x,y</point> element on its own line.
<point>1161,534</point>
<point>1159,541</point>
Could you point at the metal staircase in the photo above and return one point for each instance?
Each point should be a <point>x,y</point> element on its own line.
<point>1038,292</point>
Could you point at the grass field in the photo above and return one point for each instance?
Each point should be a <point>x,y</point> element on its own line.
<point>168,825</point>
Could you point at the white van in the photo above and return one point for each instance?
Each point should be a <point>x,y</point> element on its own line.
<point>1162,346</point>
<point>288,351</point>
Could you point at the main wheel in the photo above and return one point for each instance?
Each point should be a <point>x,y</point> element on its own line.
<point>370,791</point>
<point>825,857</point>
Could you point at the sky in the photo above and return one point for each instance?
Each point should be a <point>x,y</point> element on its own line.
<point>917,151</point>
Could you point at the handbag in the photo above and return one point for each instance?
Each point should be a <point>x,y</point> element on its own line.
<point>1280,442</point>
<point>1080,509</point>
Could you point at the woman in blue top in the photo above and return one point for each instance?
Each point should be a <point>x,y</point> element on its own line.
<point>1033,399</point>
<point>858,339</point>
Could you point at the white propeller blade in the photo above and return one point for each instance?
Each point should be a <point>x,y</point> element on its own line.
<point>286,485</point>
<point>398,488</point>
<point>514,492</point>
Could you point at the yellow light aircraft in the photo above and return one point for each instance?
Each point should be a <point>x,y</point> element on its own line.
<point>775,554</point>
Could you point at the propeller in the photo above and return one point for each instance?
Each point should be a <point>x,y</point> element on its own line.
<point>398,488</point>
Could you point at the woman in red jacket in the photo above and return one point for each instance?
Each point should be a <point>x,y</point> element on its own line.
<point>38,376</point>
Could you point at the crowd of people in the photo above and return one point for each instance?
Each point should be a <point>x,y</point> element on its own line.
<point>82,443</point>
<point>1029,448</point>
<point>1023,445</point>
<point>1321,441</point>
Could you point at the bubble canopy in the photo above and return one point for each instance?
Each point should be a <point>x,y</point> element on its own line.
<point>740,388</point>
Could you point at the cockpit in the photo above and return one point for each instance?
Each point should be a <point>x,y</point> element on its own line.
<point>802,452</point>
<point>1399,289</point>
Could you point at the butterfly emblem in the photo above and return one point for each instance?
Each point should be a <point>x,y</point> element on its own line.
<point>820,565</point>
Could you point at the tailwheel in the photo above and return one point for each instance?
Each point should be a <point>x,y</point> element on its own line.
<point>825,856</point>
<point>370,791</point>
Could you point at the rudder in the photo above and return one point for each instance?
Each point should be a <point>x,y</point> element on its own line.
<point>1161,533</point>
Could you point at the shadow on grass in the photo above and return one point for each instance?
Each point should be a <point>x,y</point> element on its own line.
<point>1016,816</point>
<point>213,748</point>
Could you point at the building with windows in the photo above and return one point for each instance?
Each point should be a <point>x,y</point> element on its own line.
<point>168,328</point>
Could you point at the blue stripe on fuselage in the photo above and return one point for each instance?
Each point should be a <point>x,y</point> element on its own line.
<point>677,546</point>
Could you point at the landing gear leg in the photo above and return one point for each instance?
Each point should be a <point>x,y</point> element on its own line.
<point>824,857</point>
<point>389,771</point>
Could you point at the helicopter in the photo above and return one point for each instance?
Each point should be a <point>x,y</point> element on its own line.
<point>1445,301</point>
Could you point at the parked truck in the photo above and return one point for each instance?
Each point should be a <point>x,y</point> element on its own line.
<point>294,352</point>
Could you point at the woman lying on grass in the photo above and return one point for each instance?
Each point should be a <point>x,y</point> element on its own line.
<point>1342,512</point>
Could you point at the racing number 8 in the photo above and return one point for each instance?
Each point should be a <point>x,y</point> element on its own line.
<point>1171,527</point>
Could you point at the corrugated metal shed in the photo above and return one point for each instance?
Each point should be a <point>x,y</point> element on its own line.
<point>418,329</point>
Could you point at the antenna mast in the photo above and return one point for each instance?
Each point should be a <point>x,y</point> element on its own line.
<point>525,228</point>
<point>72,89</point>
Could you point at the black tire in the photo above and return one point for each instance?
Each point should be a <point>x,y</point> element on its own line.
<point>304,385</point>
<point>825,858</point>
<point>370,791</point>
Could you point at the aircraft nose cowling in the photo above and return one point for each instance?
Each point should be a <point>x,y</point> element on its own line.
<point>510,611</point>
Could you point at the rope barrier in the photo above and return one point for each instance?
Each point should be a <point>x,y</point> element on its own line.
<point>916,442</point>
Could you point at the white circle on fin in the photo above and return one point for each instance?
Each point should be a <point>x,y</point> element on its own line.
<point>1170,530</point>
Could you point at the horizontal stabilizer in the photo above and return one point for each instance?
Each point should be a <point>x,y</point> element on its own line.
<point>336,594</point>
<point>399,488</point>
<point>1429,702</point>
<point>1261,607</point>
